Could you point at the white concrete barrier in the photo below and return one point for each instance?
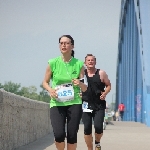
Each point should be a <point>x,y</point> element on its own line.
<point>22,120</point>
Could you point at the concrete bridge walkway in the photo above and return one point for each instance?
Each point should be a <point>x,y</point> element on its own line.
<point>118,135</point>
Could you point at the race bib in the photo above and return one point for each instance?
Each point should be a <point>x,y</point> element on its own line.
<point>65,92</point>
<point>85,107</point>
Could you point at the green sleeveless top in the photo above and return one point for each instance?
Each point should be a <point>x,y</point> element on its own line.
<point>64,73</point>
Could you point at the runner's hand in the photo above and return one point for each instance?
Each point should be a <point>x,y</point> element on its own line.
<point>103,96</point>
<point>53,93</point>
<point>80,94</point>
<point>76,82</point>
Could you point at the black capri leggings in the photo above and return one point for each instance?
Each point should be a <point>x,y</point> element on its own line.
<point>58,116</point>
<point>98,118</point>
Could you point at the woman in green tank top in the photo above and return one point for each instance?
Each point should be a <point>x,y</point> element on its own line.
<point>65,72</point>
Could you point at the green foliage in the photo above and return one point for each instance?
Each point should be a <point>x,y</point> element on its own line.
<point>29,92</point>
<point>11,87</point>
<point>44,96</point>
<point>1,86</point>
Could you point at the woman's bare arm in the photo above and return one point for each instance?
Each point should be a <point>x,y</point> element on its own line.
<point>46,82</point>
<point>82,85</point>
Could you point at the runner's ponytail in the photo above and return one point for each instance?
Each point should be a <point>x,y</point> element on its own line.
<point>72,53</point>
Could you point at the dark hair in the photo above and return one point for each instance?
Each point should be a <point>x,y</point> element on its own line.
<point>72,42</point>
<point>69,37</point>
<point>72,53</point>
<point>90,55</point>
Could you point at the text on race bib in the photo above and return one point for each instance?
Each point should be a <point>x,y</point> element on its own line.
<point>65,92</point>
<point>85,107</point>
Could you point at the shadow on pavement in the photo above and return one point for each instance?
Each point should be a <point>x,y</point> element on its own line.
<point>111,123</point>
<point>39,144</point>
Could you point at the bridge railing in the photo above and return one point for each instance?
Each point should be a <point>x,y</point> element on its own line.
<point>22,120</point>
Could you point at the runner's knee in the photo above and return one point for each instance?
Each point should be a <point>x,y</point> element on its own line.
<point>98,131</point>
<point>87,130</point>
<point>72,139</point>
<point>99,128</point>
<point>60,136</point>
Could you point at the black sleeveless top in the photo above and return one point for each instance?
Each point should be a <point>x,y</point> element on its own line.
<point>92,95</point>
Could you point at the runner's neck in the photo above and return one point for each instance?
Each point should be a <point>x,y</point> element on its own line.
<point>91,70</point>
<point>66,58</point>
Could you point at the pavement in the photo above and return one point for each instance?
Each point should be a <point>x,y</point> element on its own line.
<point>118,135</point>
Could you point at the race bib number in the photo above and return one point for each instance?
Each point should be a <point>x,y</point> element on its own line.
<point>85,107</point>
<point>65,92</point>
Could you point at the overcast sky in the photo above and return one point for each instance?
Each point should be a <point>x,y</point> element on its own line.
<point>30,29</point>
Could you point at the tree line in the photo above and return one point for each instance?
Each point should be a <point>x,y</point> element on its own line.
<point>29,92</point>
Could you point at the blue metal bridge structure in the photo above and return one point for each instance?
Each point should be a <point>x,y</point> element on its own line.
<point>133,63</point>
